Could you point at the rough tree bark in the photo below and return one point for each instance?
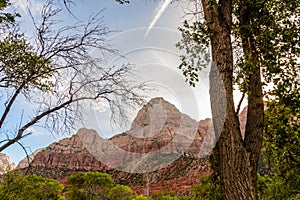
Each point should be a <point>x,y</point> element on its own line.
<point>238,157</point>
<point>255,114</point>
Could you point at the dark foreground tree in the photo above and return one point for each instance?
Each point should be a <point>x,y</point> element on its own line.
<point>252,43</point>
<point>57,75</point>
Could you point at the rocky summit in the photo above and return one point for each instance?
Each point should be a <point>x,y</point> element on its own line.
<point>163,150</point>
<point>5,164</point>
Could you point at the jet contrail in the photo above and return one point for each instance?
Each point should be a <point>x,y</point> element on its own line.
<point>159,11</point>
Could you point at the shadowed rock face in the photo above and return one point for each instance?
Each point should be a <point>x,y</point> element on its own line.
<point>5,164</point>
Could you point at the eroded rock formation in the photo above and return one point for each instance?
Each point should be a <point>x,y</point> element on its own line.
<point>162,143</point>
<point>5,164</point>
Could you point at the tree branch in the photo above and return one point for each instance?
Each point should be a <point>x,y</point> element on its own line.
<point>10,103</point>
<point>240,103</point>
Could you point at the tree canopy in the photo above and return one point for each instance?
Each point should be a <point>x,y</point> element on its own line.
<point>95,185</point>
<point>20,187</point>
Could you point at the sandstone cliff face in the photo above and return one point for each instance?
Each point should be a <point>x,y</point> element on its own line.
<point>160,128</point>
<point>5,164</point>
<point>69,153</point>
<point>163,142</point>
<point>25,162</point>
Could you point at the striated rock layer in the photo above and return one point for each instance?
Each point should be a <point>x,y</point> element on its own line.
<point>163,150</point>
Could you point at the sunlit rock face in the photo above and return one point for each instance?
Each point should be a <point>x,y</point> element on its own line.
<point>159,128</point>
<point>68,153</point>
<point>243,120</point>
<point>5,164</point>
<point>162,141</point>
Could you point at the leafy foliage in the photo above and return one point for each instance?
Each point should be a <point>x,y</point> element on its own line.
<point>195,42</point>
<point>274,24</point>
<point>95,185</point>
<point>20,65</point>
<point>6,18</point>
<point>140,197</point>
<point>165,195</point>
<point>16,186</point>
<point>120,192</point>
<point>207,189</point>
<point>278,187</point>
<point>83,186</point>
<point>90,185</point>
<point>282,140</point>
<point>282,136</point>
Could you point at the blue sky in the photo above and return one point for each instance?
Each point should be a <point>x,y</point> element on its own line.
<point>154,54</point>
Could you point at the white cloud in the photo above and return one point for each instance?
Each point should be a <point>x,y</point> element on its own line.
<point>34,6</point>
<point>36,132</point>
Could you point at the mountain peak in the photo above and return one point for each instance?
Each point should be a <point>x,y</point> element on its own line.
<point>5,164</point>
<point>160,134</point>
<point>158,100</point>
<point>157,110</point>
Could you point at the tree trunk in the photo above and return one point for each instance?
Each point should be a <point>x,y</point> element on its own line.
<point>237,157</point>
<point>255,113</point>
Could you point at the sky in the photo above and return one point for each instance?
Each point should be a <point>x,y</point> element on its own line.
<point>145,34</point>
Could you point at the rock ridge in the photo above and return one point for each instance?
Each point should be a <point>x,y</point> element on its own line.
<point>160,134</point>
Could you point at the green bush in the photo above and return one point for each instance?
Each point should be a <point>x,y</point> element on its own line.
<point>139,197</point>
<point>120,192</point>
<point>89,185</point>
<point>16,186</point>
<point>278,187</point>
<point>96,186</point>
<point>165,195</point>
<point>207,189</point>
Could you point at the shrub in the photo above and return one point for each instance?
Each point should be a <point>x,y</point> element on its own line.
<point>16,186</point>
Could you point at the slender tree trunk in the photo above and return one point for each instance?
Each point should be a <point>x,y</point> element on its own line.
<point>237,157</point>
<point>255,113</point>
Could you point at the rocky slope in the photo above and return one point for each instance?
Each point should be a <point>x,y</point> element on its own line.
<point>5,164</point>
<point>164,149</point>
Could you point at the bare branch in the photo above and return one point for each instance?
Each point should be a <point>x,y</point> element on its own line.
<point>240,102</point>
<point>62,74</point>
<point>10,103</point>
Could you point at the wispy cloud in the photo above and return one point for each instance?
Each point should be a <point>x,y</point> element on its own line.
<point>158,12</point>
<point>36,132</point>
<point>34,6</point>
